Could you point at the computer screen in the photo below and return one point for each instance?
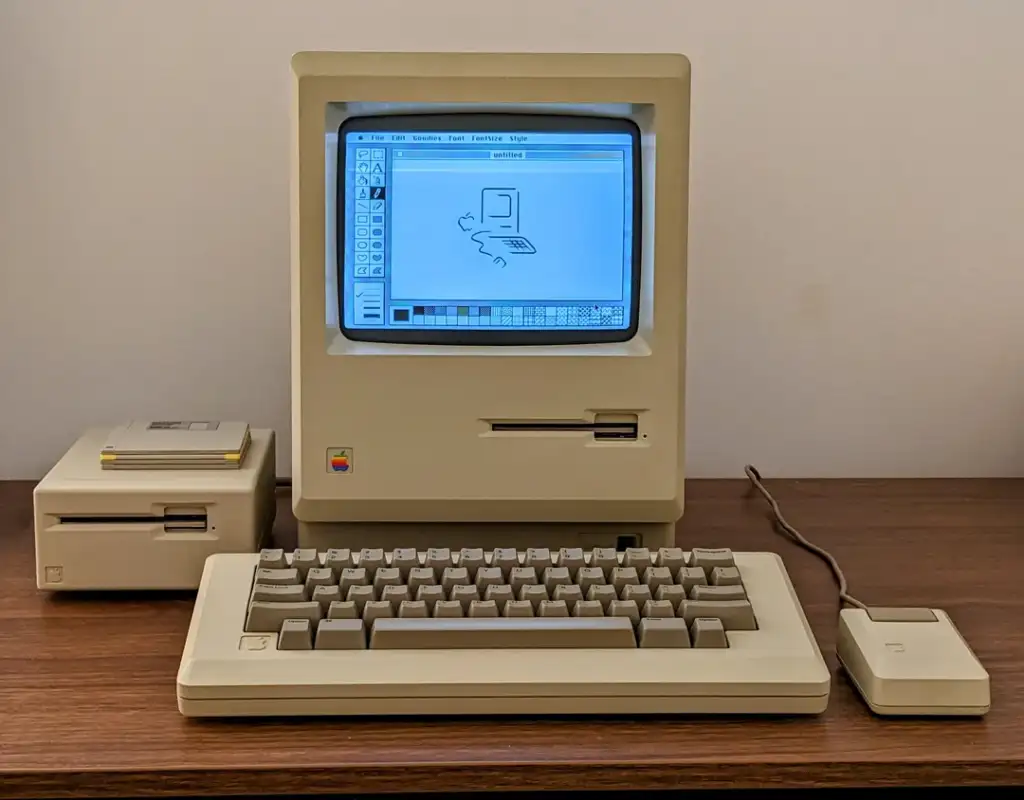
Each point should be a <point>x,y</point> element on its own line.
<point>488,229</point>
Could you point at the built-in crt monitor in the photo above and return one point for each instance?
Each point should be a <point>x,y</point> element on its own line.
<point>488,229</point>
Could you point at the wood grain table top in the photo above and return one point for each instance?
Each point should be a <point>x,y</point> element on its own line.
<point>87,683</point>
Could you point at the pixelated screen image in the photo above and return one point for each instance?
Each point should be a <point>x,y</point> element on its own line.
<point>466,229</point>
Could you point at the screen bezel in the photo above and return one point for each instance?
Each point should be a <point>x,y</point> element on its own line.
<point>504,122</point>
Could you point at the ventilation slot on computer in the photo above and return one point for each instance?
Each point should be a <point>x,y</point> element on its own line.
<point>604,427</point>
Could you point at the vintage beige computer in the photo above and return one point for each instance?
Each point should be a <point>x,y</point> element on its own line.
<point>505,247</point>
<point>488,354</point>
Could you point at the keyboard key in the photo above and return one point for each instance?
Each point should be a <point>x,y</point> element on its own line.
<point>605,559</point>
<point>361,595</point>
<point>376,609</point>
<point>673,594</point>
<point>284,593</point>
<point>296,634</point>
<point>488,576</point>
<point>420,576</point>
<point>338,559</point>
<point>342,609</point>
<point>568,632</point>
<point>556,576</point>
<point>538,558</point>
<point>552,608</point>
<point>708,632</point>
<point>588,608</point>
<point>718,593</point>
<point>464,595</point>
<point>371,559</point>
<point>483,608</point>
<point>624,608</point>
<point>657,609</point>
<point>518,608</point>
<point>520,577</point>
<point>447,609</point>
<point>340,634</point>
<point>735,615</point>
<point>304,559</point>
<point>318,576</point>
<point>454,576</point>
<point>570,595</point>
<point>637,557</point>
<point>404,559</point>
<point>590,576</point>
<point>430,595</point>
<point>657,576</point>
<point>413,608</point>
<point>672,558</point>
<point>725,576</point>
<point>268,617</point>
<point>506,559</point>
<point>325,595</point>
<point>500,595</point>
<point>661,632</point>
<point>386,576</point>
<point>472,558</point>
<point>688,577</point>
<point>278,577</point>
<point>572,559</point>
<point>707,559</point>
<point>272,559</point>
<point>534,595</point>
<point>395,595</point>
<point>639,594</point>
<point>603,594</point>
<point>438,558</point>
<point>352,576</point>
<point>623,576</point>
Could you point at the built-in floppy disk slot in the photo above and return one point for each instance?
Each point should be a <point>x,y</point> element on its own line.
<point>175,519</point>
<point>603,426</point>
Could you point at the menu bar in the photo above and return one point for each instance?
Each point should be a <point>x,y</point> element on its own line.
<point>467,137</point>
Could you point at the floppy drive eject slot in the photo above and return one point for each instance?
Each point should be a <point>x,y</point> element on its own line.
<point>604,426</point>
<point>175,519</point>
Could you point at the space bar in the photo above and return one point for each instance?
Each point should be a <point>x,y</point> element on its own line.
<point>455,633</point>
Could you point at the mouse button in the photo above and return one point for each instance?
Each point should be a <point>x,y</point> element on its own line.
<point>884,614</point>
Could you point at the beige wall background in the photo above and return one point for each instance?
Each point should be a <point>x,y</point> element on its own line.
<point>856,300</point>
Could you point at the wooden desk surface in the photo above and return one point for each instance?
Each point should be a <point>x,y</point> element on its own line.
<point>87,701</point>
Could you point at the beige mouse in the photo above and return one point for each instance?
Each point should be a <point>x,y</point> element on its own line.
<point>911,661</point>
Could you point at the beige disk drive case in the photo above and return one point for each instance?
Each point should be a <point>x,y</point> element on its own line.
<point>151,523</point>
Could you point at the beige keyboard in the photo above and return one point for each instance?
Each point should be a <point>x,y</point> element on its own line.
<point>499,632</point>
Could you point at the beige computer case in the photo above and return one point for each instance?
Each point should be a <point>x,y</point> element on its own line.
<point>99,529</point>
<point>414,422</point>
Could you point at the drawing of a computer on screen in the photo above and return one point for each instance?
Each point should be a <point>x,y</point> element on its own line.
<point>499,211</point>
<point>498,231</point>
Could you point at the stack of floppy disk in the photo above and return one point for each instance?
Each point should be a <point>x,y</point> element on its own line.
<point>176,445</point>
